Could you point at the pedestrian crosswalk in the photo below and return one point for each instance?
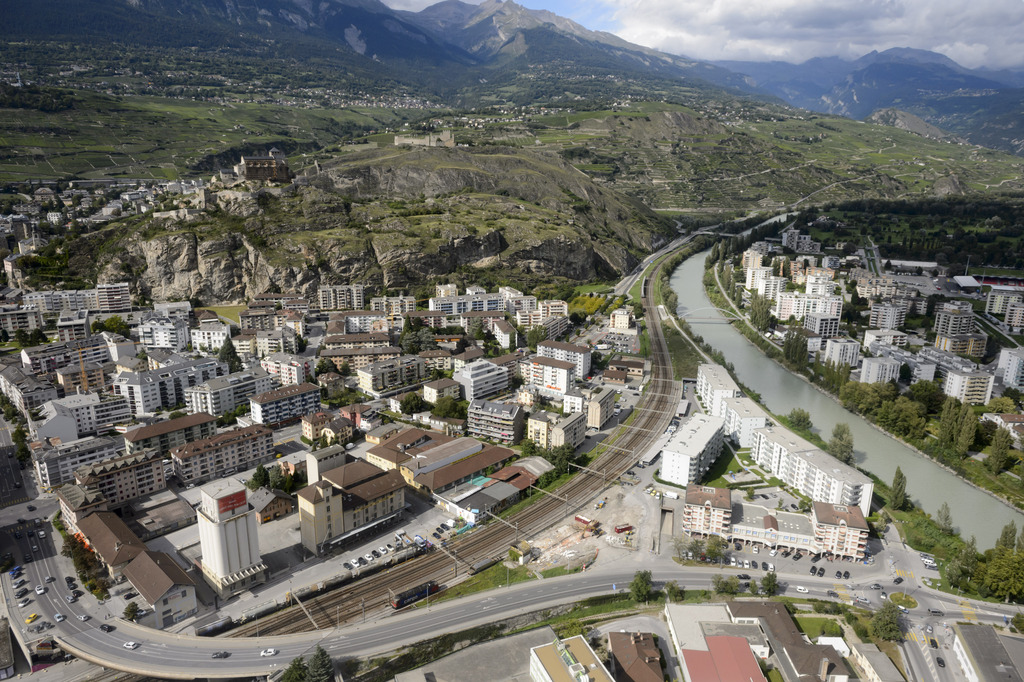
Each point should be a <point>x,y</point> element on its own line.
<point>11,503</point>
<point>904,573</point>
<point>970,613</point>
<point>912,636</point>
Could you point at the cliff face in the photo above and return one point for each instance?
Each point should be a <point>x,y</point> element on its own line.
<point>392,218</point>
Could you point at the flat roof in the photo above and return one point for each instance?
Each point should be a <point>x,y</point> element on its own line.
<point>694,433</point>
<point>559,661</point>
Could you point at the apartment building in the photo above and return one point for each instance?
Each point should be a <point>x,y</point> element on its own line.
<point>84,377</point>
<point>80,414</point>
<point>692,449</point>
<point>271,341</point>
<point>502,422</point>
<point>842,352</point>
<point>125,478</point>
<point>341,297</point>
<point>974,387</point>
<point>771,287</point>
<point>972,345</point>
<point>453,305</point>
<point>222,454</point>
<point>166,435</point>
<point>550,430</point>
<point>14,317</point>
<point>998,299</point>
<point>887,316</point>
<point>954,318</point>
<point>579,356</point>
<point>390,376</point>
<point>797,305</point>
<point>620,319</point>
<point>224,394</point>
<point>742,418</point>
<point>284,405</point>
<point>288,369</point>
<point>393,306</point>
<point>210,337</point>
<point>879,370</point>
<point>73,325</point>
<point>55,461</point>
<point>358,322</point>
<point>839,530</point>
<point>164,333</point>
<point>553,378</point>
<point>755,276</point>
<point>258,319</point>
<point>890,337</point>
<point>349,341</point>
<point>53,356</point>
<point>114,297</point>
<point>435,390</point>
<point>810,470</point>
<point>153,390</point>
<point>357,358</point>
<point>825,326</point>
<point>1014,318</point>
<point>554,326</point>
<point>1010,367</point>
<point>25,391</point>
<point>707,511</point>
<point>714,386</point>
<point>174,309</point>
<point>481,379</point>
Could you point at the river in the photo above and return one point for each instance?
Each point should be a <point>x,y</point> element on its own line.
<point>929,485</point>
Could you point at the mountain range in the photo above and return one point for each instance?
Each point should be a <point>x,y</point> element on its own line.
<point>499,52</point>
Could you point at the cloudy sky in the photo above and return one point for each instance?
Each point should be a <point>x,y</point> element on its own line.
<point>975,34</point>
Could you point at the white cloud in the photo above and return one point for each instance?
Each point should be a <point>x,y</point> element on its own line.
<point>975,34</point>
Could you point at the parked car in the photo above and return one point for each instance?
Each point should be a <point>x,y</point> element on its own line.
<point>846,575</point>
<point>821,571</point>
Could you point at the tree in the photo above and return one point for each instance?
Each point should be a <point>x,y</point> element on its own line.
<point>968,427</point>
<point>229,356</point>
<point>885,624</point>
<point>1007,537</point>
<point>641,586</point>
<point>715,548</point>
<point>260,478</point>
<point>1001,405</point>
<point>753,586</point>
<point>535,336</point>
<point>276,479</point>
<point>948,424</point>
<point>325,366</point>
<point>21,337</point>
<point>696,546</point>
<point>840,445</point>
<point>674,592</point>
<point>344,370</point>
<point>1004,575</point>
<point>794,348</point>
<point>300,344</point>
<point>131,611</point>
<point>800,419</point>
<point>899,490</point>
<point>296,671</point>
<point>1018,622</point>
<point>770,584</point>
<point>449,407</point>
<point>412,403</point>
<point>760,312</point>
<point>999,455</point>
<point>321,669</point>
<point>944,519</point>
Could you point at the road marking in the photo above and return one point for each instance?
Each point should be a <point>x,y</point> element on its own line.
<point>911,636</point>
<point>970,613</point>
<point>905,573</point>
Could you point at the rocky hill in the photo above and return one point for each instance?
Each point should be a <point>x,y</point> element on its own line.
<point>398,218</point>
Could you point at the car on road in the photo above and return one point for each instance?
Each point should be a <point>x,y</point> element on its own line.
<point>436,536</point>
<point>755,549</point>
<point>30,508</point>
<point>131,595</point>
<point>801,589</point>
<point>59,617</point>
<point>897,580</point>
<point>17,534</point>
<point>815,558</point>
<point>798,556</point>
<point>107,628</point>
<point>821,571</point>
<point>939,662</point>
<point>391,548</point>
<point>131,645</point>
<point>773,552</point>
<point>875,586</point>
<point>928,629</point>
<point>268,652</point>
<point>932,643</point>
<point>935,612</point>
<point>833,594</point>
<point>49,579</point>
<point>863,600</point>
<point>883,596</point>
<point>739,547</point>
<point>40,589</point>
<point>771,567</point>
<point>743,576</point>
<point>220,654</point>
<point>18,583</point>
<point>746,563</point>
<point>83,617</point>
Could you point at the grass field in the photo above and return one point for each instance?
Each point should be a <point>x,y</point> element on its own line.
<point>228,311</point>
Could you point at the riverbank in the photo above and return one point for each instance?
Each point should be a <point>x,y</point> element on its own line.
<point>719,297</point>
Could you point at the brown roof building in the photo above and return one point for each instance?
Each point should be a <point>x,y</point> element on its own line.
<point>165,587</point>
<point>635,657</point>
<point>167,435</point>
<point>113,542</point>
<point>800,660</point>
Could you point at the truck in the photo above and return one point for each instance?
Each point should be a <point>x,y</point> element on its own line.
<point>671,495</point>
<point>600,504</point>
<point>624,528</point>
<point>586,524</point>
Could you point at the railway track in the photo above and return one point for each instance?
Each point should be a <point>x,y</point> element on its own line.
<point>370,594</point>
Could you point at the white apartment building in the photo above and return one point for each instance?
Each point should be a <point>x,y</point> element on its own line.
<point>825,326</point>
<point>362,321</point>
<point>692,449</point>
<point>162,388</point>
<point>797,304</point>
<point>80,414</point>
<point>551,377</point>
<point>210,337</point>
<point>714,386</point>
<point>446,290</point>
<point>223,454</point>
<point>752,259</point>
<point>174,309</point>
<point>224,394</point>
<point>842,352</point>
<point>56,464</point>
<point>164,333</point>
<point>998,299</point>
<point>954,318</point>
<point>754,276</point>
<point>811,471</point>
<point>742,418</point>
<point>771,287</point>
<point>1014,316</point>
<point>289,369</point>
<point>1011,367</point>
<point>579,356</point>
<point>341,297</point>
<point>819,285</point>
<point>389,376</point>
<point>969,387</point>
<point>879,370</point>
<point>620,319</point>
<point>453,305</point>
<point>887,316</point>
<point>270,341</point>
<point>393,306</point>
<point>284,405</point>
<point>515,300</point>
<point>890,337</point>
<point>481,379</point>
<point>114,297</point>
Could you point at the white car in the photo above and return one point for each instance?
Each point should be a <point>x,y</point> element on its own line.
<point>383,550</point>
<point>268,652</point>
<point>131,645</point>
<point>23,603</point>
<point>755,549</point>
<point>83,617</point>
<point>801,589</point>
<point>40,589</point>
<point>773,552</point>
<point>59,617</point>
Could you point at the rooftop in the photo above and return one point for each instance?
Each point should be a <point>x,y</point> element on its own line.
<point>169,426</point>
